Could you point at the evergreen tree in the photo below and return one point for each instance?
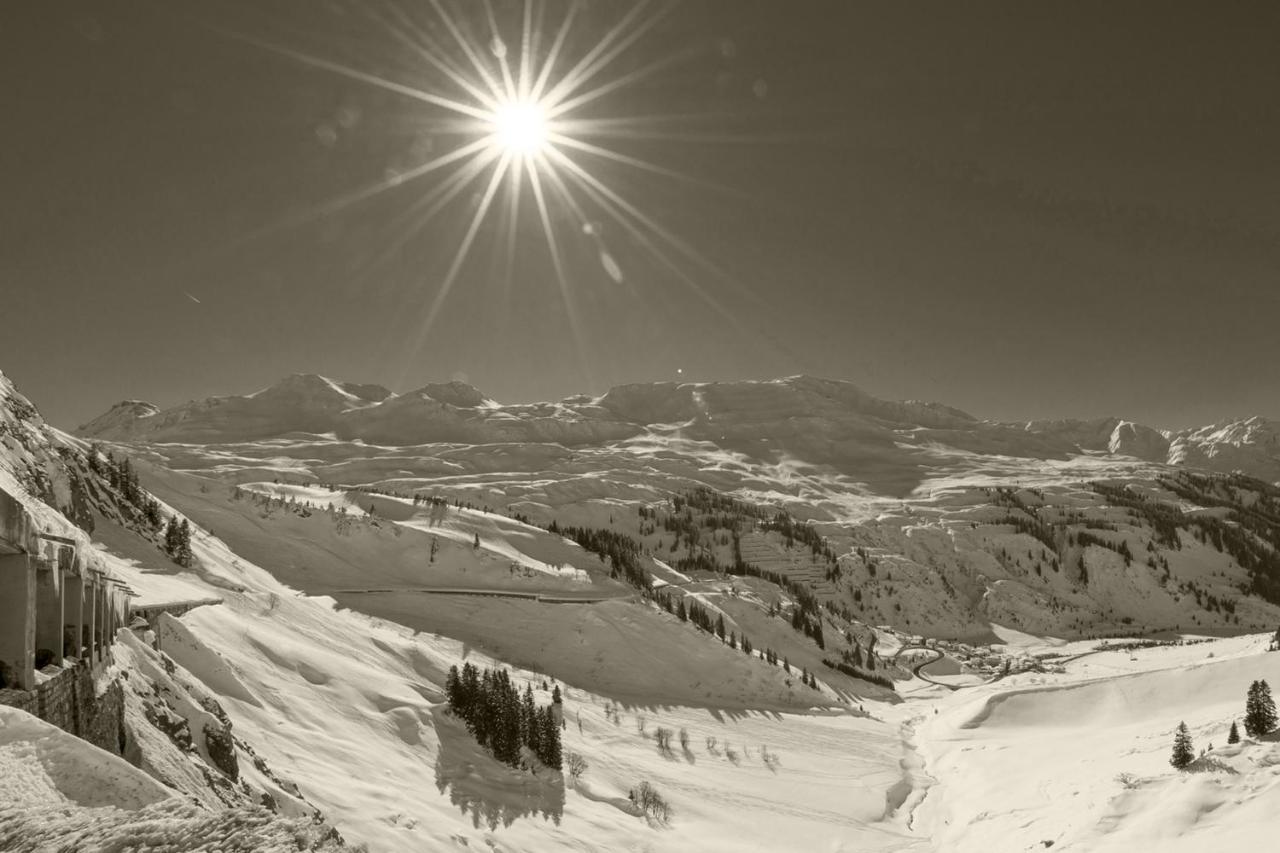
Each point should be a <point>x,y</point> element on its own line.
<point>530,725</point>
<point>551,753</point>
<point>1183,751</point>
<point>171,536</point>
<point>1233,736</point>
<point>152,511</point>
<point>184,557</point>
<point>1259,710</point>
<point>453,687</point>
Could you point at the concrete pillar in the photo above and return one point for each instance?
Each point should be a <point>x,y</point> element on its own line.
<point>86,617</point>
<point>49,610</point>
<point>73,613</point>
<point>100,612</point>
<point>17,620</point>
<point>113,620</point>
<point>91,604</point>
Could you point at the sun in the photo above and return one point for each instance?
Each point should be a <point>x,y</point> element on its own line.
<point>521,128</point>
<point>513,120</point>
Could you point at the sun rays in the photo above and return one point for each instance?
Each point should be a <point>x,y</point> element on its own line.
<point>515,103</point>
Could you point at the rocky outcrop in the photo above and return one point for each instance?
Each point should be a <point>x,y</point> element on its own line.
<point>1138,441</point>
<point>45,463</point>
<point>220,746</point>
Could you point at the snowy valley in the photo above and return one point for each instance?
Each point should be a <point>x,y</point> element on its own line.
<point>803,616</point>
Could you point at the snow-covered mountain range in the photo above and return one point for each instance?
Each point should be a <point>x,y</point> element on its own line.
<point>813,421</point>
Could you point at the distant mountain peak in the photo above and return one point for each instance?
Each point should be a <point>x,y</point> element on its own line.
<point>317,386</point>
<point>454,393</point>
<point>820,421</point>
<point>122,417</point>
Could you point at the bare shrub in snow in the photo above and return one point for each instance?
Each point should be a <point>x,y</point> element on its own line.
<point>663,736</point>
<point>651,803</point>
<point>577,765</point>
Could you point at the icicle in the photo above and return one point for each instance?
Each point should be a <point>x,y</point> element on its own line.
<point>47,558</point>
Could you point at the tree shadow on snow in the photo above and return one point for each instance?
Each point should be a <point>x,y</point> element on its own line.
<point>737,715</point>
<point>487,790</point>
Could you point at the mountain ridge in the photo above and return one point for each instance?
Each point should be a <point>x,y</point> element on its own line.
<point>816,420</point>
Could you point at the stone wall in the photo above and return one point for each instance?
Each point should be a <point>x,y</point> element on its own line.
<point>70,702</point>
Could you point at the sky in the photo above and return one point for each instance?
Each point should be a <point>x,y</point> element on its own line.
<point>1023,210</point>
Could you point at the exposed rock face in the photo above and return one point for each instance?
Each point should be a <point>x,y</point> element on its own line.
<point>181,735</point>
<point>43,461</point>
<point>221,749</point>
<point>1141,442</point>
<point>160,715</point>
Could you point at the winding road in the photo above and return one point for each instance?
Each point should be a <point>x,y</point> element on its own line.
<point>543,597</point>
<point>917,670</point>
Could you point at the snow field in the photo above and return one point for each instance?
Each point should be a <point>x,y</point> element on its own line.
<point>1082,760</point>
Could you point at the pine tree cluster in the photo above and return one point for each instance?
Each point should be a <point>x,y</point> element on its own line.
<point>621,551</point>
<point>122,477</point>
<point>800,531</point>
<point>501,719</point>
<point>857,672</point>
<point>809,624</point>
<point>687,609</point>
<point>177,541</point>
<point>1250,530</point>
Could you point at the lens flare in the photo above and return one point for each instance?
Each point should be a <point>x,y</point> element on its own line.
<point>505,113</point>
<point>521,128</point>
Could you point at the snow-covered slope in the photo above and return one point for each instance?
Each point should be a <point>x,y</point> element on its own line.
<point>58,792</point>
<point>1105,728</point>
<point>1251,445</point>
<point>351,710</point>
<point>341,708</point>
